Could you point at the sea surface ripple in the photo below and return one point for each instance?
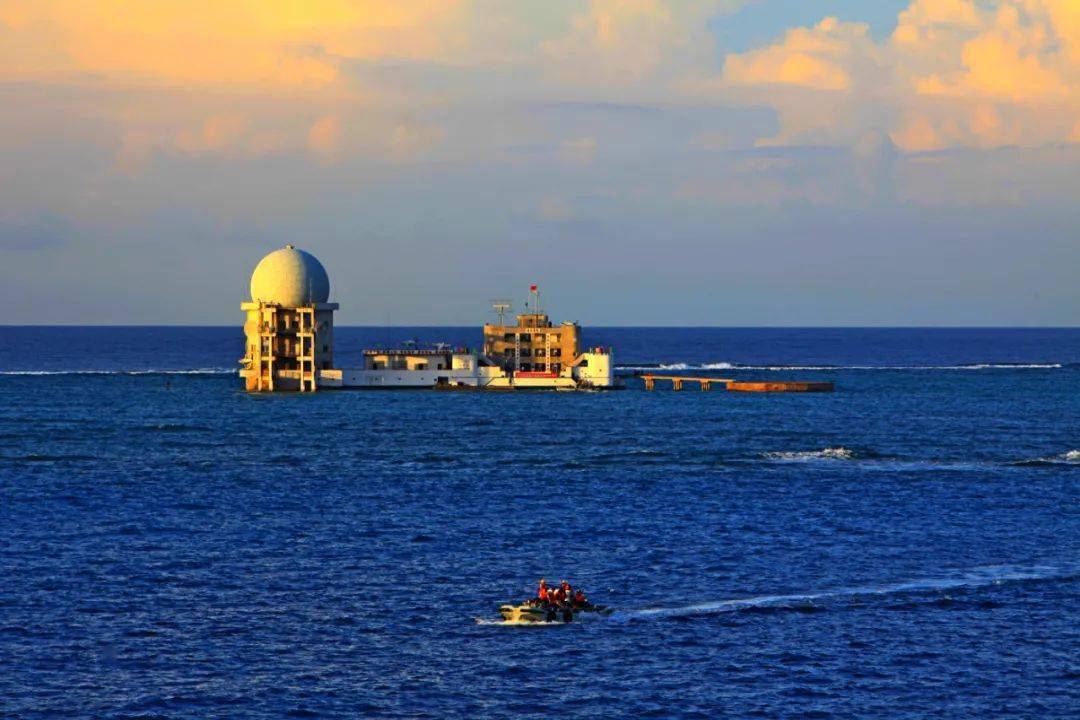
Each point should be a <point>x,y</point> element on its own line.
<point>908,546</point>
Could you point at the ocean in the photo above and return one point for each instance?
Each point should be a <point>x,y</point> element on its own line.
<point>908,546</point>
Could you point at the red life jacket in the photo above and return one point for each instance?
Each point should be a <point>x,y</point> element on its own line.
<point>542,593</point>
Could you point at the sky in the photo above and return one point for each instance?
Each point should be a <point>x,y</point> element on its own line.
<point>646,162</point>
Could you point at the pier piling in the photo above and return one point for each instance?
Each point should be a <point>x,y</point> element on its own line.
<point>705,383</point>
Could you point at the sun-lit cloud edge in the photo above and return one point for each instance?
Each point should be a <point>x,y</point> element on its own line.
<point>954,73</point>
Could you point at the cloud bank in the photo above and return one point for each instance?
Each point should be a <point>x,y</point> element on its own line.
<point>480,134</point>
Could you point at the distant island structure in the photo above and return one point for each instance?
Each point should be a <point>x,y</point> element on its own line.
<point>289,344</point>
<point>290,323</point>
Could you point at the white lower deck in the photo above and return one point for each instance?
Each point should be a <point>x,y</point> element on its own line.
<point>596,371</point>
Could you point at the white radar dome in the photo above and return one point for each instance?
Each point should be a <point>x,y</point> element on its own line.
<point>291,278</point>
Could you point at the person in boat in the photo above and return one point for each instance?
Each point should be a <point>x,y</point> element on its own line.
<point>579,601</point>
<point>558,597</point>
<point>542,593</point>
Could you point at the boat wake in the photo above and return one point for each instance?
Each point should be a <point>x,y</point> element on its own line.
<point>811,601</point>
<point>520,623</point>
<point>805,602</point>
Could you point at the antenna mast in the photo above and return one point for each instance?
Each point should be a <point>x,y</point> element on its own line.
<point>501,307</point>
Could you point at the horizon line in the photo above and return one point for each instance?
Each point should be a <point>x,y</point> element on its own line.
<point>605,327</point>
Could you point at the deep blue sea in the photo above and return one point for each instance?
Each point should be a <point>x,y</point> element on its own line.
<point>907,547</point>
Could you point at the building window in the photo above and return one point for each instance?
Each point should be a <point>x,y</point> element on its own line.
<point>539,352</point>
<point>526,367</point>
<point>525,337</point>
<point>508,337</point>
<point>556,368</point>
<point>510,352</point>
<point>539,367</point>
<point>526,352</point>
<point>556,352</point>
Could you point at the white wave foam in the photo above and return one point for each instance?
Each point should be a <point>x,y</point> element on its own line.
<point>823,368</point>
<point>978,577</point>
<point>1072,457</point>
<point>509,623</point>
<point>102,373</point>
<point>829,453</point>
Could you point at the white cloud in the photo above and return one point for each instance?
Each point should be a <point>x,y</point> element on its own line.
<point>953,73</point>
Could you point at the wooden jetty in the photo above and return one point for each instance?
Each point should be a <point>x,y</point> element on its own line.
<point>706,383</point>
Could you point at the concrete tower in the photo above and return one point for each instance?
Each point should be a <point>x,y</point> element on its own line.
<point>290,323</point>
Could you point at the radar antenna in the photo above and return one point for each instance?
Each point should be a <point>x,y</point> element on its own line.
<point>502,307</point>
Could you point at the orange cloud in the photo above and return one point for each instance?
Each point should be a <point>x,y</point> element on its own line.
<point>616,40</point>
<point>1005,58</point>
<point>217,133</point>
<point>324,137</point>
<point>278,42</point>
<point>924,20</point>
<point>954,72</point>
<point>619,42</point>
<point>1064,16</point>
<point>816,58</point>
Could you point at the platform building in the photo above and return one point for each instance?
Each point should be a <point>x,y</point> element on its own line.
<point>535,345</point>
<point>289,331</point>
<point>289,344</point>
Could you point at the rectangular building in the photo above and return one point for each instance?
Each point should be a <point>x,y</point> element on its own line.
<point>534,345</point>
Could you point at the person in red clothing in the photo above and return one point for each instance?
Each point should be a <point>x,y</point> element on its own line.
<point>580,600</point>
<point>542,592</point>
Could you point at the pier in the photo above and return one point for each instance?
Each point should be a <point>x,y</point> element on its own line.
<point>677,381</point>
<point>706,383</point>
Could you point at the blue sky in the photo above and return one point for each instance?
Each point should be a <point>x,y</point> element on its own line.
<point>759,23</point>
<point>647,162</point>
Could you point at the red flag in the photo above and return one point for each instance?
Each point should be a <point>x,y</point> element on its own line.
<point>532,288</point>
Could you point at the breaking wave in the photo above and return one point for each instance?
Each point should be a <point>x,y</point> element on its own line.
<point>891,462</point>
<point>195,371</point>
<point>1072,457</point>
<point>809,601</point>
<point>739,366</point>
<point>829,453</point>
